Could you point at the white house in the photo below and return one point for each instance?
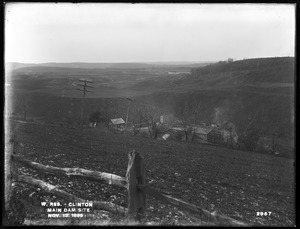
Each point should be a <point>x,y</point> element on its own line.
<point>118,123</point>
<point>202,132</point>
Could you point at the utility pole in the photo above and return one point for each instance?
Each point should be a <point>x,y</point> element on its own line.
<point>84,90</point>
<point>129,100</point>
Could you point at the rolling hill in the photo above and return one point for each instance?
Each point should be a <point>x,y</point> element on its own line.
<point>252,93</point>
<point>15,65</point>
<point>259,73</point>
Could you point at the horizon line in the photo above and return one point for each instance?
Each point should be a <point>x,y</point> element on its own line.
<point>147,62</point>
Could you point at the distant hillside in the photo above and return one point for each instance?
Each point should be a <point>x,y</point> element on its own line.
<point>254,93</point>
<point>266,75</point>
<point>82,65</point>
<point>14,65</point>
<point>11,66</point>
<point>251,71</point>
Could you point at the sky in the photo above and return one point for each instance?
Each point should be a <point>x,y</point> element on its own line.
<point>123,32</point>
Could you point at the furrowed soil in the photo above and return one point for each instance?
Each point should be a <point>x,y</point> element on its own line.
<point>235,183</point>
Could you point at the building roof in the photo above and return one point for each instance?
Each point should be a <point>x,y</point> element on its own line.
<point>227,126</point>
<point>117,121</point>
<point>201,130</point>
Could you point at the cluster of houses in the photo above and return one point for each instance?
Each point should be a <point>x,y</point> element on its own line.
<point>207,133</point>
<point>224,134</point>
<point>116,123</point>
<point>203,133</point>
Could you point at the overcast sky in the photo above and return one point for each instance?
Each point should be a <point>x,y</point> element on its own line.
<point>98,32</point>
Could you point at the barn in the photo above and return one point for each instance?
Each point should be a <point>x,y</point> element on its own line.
<point>215,136</point>
<point>225,134</point>
<point>118,123</point>
<point>202,132</point>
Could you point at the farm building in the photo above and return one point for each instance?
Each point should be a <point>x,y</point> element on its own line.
<point>167,119</point>
<point>215,136</point>
<point>118,123</point>
<point>225,134</point>
<point>202,132</point>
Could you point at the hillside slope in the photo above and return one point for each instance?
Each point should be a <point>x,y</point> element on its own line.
<point>235,183</point>
<point>15,65</point>
<point>261,90</point>
<point>261,73</point>
<point>254,93</point>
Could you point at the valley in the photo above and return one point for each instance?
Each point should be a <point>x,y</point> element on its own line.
<point>256,98</point>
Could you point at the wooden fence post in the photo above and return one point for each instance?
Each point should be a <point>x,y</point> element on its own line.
<point>8,167</point>
<point>135,175</point>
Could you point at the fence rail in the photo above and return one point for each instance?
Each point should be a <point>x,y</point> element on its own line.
<point>135,183</point>
<point>100,205</point>
<point>213,216</point>
<point>103,177</point>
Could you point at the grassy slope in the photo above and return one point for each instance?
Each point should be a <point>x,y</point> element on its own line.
<point>237,183</point>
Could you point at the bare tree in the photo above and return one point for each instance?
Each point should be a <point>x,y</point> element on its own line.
<point>99,117</point>
<point>188,113</point>
<point>138,125</point>
<point>196,107</point>
<point>151,113</point>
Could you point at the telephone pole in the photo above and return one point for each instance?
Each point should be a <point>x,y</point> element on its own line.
<point>84,89</point>
<point>129,100</point>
